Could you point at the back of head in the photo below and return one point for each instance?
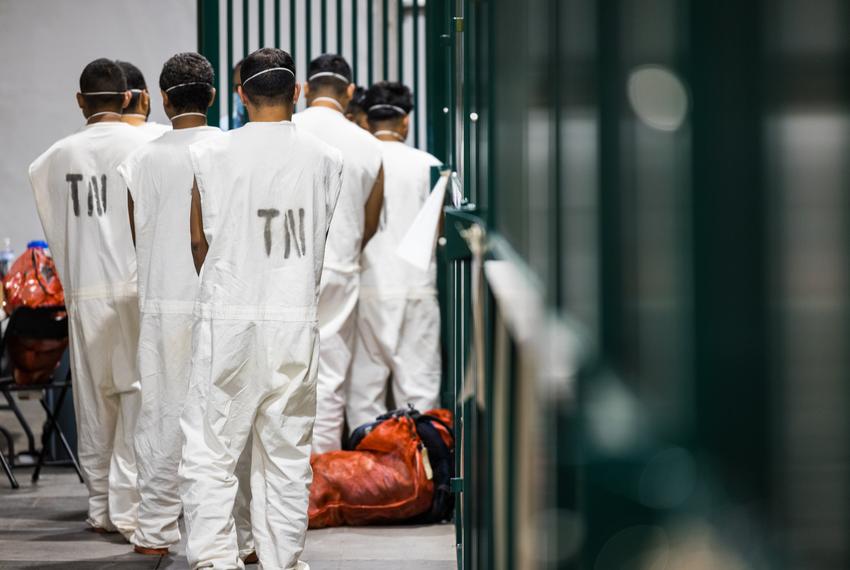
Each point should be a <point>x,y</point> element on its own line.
<point>329,74</point>
<point>135,83</point>
<point>387,102</point>
<point>103,84</point>
<point>268,77</point>
<point>187,79</point>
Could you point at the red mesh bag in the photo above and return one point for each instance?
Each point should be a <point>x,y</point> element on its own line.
<point>386,479</point>
<point>32,281</point>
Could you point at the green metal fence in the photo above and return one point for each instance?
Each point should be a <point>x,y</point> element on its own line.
<point>647,197</point>
<point>382,40</point>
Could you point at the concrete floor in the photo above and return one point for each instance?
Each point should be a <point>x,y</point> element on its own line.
<point>42,526</point>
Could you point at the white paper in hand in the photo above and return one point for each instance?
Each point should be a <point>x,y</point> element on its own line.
<point>417,246</point>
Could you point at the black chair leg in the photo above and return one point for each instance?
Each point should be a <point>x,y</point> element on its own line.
<point>13,405</point>
<point>6,467</point>
<point>52,425</point>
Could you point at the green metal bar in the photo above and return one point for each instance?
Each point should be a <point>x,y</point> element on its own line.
<point>308,14</point>
<point>438,51</point>
<point>354,39</point>
<point>339,26</point>
<point>324,13</point>
<point>246,20</point>
<point>230,61</point>
<point>400,24</point>
<point>293,27</point>
<point>370,38</point>
<point>416,112</point>
<point>277,23</point>
<point>208,47</point>
<point>385,35</point>
<point>262,22</point>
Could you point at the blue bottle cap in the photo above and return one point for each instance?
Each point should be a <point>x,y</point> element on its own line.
<point>37,244</point>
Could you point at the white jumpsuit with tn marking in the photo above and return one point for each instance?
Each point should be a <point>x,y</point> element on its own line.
<point>82,203</point>
<point>268,192</point>
<point>159,177</point>
<point>341,273</point>
<point>398,320</point>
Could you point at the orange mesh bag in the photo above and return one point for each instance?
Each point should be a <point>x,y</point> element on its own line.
<point>388,478</point>
<point>32,283</point>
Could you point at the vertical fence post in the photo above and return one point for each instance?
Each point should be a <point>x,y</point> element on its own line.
<point>277,24</point>
<point>293,26</point>
<point>308,14</point>
<point>400,35</point>
<point>246,30</point>
<point>324,17</point>
<point>385,46</point>
<point>261,6</point>
<point>208,46</point>
<point>229,62</point>
<point>417,114</point>
<point>339,48</point>
<point>370,39</point>
<point>354,38</point>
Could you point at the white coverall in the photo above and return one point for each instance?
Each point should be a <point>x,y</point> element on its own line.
<point>268,192</point>
<point>154,130</point>
<point>398,320</point>
<point>82,203</point>
<point>159,177</point>
<point>341,273</point>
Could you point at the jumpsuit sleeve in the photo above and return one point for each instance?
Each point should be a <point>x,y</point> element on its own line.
<point>199,157</point>
<point>128,170</point>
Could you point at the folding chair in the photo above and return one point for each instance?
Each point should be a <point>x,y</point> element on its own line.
<point>42,323</point>
<point>10,446</point>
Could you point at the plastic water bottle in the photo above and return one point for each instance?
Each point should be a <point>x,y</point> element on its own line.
<point>7,257</point>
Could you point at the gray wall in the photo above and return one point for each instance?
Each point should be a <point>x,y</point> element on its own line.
<point>44,45</point>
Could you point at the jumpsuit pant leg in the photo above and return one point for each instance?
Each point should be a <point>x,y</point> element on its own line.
<point>283,431</point>
<point>370,367</point>
<point>337,313</point>
<point>249,380</point>
<point>242,506</point>
<point>416,360</point>
<point>105,409</point>
<point>123,474</point>
<point>165,351</point>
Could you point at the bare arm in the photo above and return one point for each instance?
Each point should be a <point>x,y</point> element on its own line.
<point>196,230</point>
<point>373,208</point>
<point>130,209</point>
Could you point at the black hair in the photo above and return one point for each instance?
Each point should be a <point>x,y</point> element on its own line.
<point>387,93</point>
<point>103,75</point>
<point>135,80</point>
<point>356,103</point>
<point>329,63</point>
<point>190,77</point>
<point>273,88</point>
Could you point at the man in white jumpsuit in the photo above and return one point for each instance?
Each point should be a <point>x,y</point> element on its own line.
<point>138,110</point>
<point>82,204</point>
<point>154,175</point>
<point>328,92</point>
<point>261,209</point>
<point>398,321</point>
